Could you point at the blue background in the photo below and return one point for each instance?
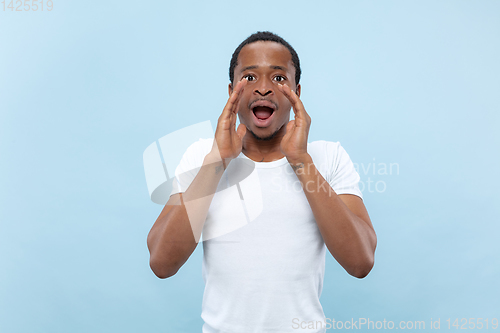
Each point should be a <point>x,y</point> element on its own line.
<point>86,87</point>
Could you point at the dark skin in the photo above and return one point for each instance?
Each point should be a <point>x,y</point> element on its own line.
<point>264,72</point>
<point>265,66</point>
<point>342,219</point>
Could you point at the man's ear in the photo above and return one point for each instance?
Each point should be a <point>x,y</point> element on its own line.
<point>298,90</point>
<point>230,89</point>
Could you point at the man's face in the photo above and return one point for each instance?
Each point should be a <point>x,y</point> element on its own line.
<point>263,108</point>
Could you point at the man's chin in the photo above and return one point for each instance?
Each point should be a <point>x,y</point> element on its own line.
<point>263,138</point>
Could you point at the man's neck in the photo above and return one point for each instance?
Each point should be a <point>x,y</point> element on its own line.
<point>260,150</point>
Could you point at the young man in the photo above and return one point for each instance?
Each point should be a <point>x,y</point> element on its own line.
<point>266,275</point>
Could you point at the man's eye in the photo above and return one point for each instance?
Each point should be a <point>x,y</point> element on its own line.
<point>249,77</point>
<point>279,78</point>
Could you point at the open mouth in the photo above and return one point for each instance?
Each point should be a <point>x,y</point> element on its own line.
<point>262,112</point>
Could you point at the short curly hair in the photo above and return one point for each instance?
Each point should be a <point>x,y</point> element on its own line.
<point>265,36</point>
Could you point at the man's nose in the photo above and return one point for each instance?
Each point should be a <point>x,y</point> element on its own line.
<point>264,88</point>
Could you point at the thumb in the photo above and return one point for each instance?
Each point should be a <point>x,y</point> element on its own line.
<point>241,131</point>
<point>289,130</point>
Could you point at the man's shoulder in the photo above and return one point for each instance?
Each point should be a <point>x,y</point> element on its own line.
<point>195,153</point>
<point>200,147</point>
<point>322,147</point>
<point>326,155</point>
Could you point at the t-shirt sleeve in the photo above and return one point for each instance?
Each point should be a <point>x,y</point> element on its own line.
<point>343,178</point>
<point>190,164</point>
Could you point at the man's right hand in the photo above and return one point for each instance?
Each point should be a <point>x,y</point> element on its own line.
<point>228,139</point>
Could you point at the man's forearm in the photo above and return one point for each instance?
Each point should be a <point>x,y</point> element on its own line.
<point>177,230</point>
<point>350,239</point>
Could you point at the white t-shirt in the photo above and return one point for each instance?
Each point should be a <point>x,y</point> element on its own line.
<point>263,254</point>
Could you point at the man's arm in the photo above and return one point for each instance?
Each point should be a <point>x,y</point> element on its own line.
<point>342,220</point>
<point>177,230</point>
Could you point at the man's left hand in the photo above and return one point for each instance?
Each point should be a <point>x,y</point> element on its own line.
<point>294,143</point>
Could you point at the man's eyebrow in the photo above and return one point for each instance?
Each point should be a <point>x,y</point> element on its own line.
<point>249,67</point>
<point>271,66</point>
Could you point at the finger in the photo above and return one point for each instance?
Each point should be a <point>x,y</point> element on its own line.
<point>233,100</point>
<point>290,127</point>
<point>289,130</point>
<point>226,112</point>
<point>241,131</point>
<point>234,111</point>
<point>234,116</point>
<point>241,88</point>
<point>298,107</point>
